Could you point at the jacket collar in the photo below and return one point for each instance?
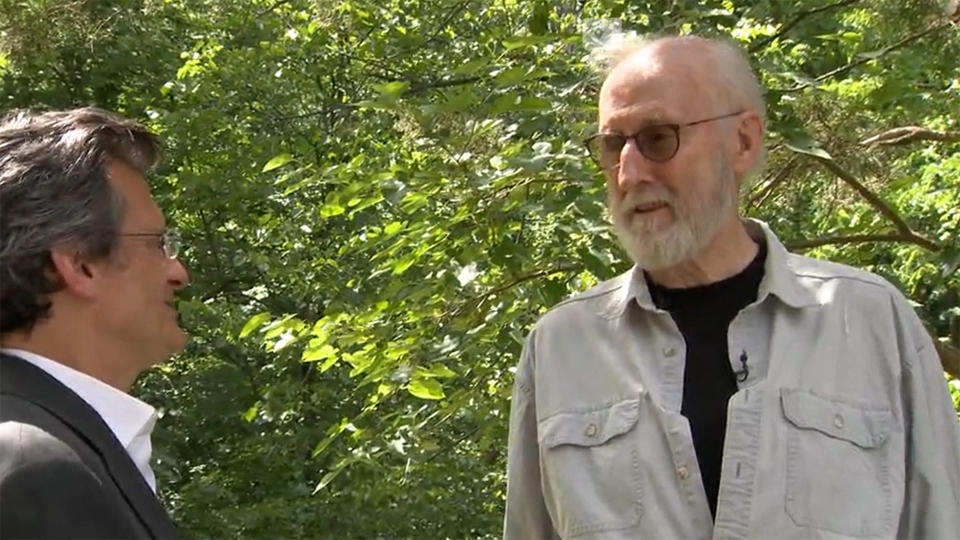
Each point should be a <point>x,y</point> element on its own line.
<point>26,381</point>
<point>779,278</point>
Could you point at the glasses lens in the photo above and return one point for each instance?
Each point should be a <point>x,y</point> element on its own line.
<point>658,143</point>
<point>171,243</point>
<point>605,149</point>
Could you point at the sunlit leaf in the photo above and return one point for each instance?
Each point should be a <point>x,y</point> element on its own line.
<point>253,323</point>
<point>426,389</point>
<point>276,162</point>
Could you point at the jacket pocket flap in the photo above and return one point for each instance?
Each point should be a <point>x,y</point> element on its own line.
<point>589,427</point>
<point>866,427</point>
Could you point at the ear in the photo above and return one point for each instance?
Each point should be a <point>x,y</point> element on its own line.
<point>749,143</point>
<point>76,274</point>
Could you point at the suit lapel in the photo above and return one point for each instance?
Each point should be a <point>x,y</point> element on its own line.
<point>20,378</point>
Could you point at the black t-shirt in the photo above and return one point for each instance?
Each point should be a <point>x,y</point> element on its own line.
<point>703,315</point>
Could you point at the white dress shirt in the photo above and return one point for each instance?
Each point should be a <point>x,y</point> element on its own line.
<point>130,419</point>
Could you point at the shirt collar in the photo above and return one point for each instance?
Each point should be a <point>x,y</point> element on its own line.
<point>779,278</point>
<point>126,416</point>
<point>779,275</point>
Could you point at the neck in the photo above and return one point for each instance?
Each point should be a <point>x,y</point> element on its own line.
<point>727,254</point>
<point>71,347</point>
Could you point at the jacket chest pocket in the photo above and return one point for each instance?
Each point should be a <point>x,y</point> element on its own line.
<point>838,464</point>
<point>591,468</point>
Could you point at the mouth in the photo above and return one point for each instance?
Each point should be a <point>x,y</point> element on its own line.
<point>646,208</point>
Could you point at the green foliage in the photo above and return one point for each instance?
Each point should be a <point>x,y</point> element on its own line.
<point>379,198</point>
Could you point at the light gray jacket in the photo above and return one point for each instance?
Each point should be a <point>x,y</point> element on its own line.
<point>842,428</point>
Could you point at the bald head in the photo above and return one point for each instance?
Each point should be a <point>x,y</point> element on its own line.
<point>718,69</point>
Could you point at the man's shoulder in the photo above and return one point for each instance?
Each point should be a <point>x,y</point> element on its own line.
<point>48,490</point>
<point>35,434</point>
<point>830,281</point>
<point>819,271</point>
<point>593,302</point>
<point>24,406</point>
<point>28,444</point>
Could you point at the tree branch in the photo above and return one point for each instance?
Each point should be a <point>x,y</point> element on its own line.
<point>869,57</point>
<point>875,201</point>
<point>476,300</point>
<point>524,278</point>
<point>455,12</point>
<point>949,357</point>
<point>420,87</point>
<point>270,8</point>
<point>907,134</point>
<point>455,444</point>
<point>330,108</point>
<point>955,331</point>
<point>851,239</point>
<point>761,195</point>
<point>793,22</point>
<point>394,73</point>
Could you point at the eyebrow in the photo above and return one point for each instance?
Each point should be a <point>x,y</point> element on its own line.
<point>643,126</point>
<point>653,118</point>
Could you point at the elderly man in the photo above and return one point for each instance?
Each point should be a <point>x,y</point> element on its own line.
<point>88,272</point>
<point>723,387</point>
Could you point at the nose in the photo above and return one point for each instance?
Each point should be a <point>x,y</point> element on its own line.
<point>177,275</point>
<point>634,169</point>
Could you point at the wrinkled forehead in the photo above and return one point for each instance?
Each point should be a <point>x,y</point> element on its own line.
<point>654,87</point>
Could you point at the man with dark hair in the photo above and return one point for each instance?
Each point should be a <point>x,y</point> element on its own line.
<point>723,387</point>
<point>88,272</point>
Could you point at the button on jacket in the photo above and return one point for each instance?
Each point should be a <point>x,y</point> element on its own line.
<point>842,426</point>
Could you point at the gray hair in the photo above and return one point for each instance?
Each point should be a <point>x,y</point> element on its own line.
<point>738,82</point>
<point>54,191</point>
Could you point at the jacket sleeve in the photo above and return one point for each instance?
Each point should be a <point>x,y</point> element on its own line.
<point>47,492</point>
<point>931,508</point>
<point>526,516</point>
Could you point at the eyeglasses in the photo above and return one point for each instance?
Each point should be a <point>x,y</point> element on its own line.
<point>657,143</point>
<point>170,242</point>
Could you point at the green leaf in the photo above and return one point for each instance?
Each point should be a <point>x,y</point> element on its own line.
<point>330,476</point>
<point>286,339</point>
<point>436,371</point>
<point>806,145</point>
<point>360,360</point>
<point>511,76</point>
<point>468,68</point>
<point>426,389</point>
<point>393,89</point>
<point>286,324</point>
<point>329,363</point>
<point>951,261</point>
<point>276,162</point>
<point>331,210</point>
<point>527,41</point>
<point>253,323</point>
<point>312,354</point>
<point>540,18</point>
<point>512,102</point>
<point>404,263</point>
<point>393,228</point>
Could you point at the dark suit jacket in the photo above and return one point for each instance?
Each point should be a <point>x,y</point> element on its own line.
<point>63,474</point>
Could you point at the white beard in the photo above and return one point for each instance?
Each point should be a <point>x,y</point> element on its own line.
<point>696,220</point>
